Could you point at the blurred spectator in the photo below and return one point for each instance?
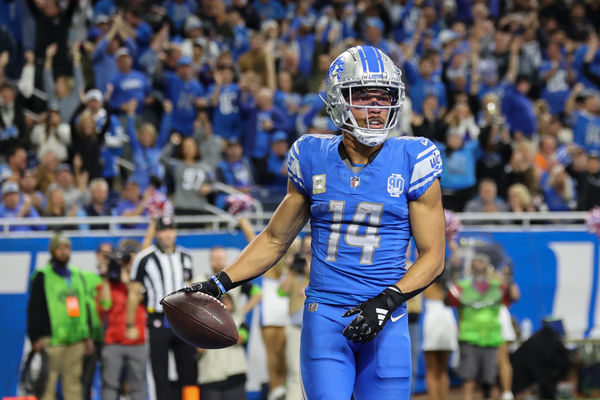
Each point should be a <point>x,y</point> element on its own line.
<point>521,168</point>
<point>276,172</point>
<point>211,146</point>
<point>133,204</point>
<point>586,121</point>
<point>119,303</point>
<point>113,133</point>
<point>186,94</point>
<point>45,172</point>
<point>13,131</point>
<point>16,205</point>
<point>458,177</point>
<point>487,199</point>
<point>191,176</point>
<point>510,294</point>
<point>585,170</point>
<point>66,90</point>
<point>556,77</point>
<point>558,189</point>
<point>16,162</point>
<point>267,118</point>
<point>177,11</point>
<point>223,97</point>
<point>460,121</point>
<point>146,144</point>
<point>87,144</point>
<point>421,80</point>
<point>235,170</point>
<point>545,158</point>
<point>128,84</point>
<point>478,300</point>
<point>519,199</point>
<point>52,25</point>
<point>51,133</point>
<point>28,187</point>
<point>104,57</point>
<point>98,205</point>
<point>73,191</point>
<point>57,207</point>
<point>255,59</point>
<point>57,319</point>
<point>429,124</point>
<point>495,142</point>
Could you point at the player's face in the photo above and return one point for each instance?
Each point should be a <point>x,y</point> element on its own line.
<point>376,100</point>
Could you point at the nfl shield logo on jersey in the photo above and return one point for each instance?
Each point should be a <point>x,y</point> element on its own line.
<point>354,181</point>
<point>319,183</point>
<point>395,185</point>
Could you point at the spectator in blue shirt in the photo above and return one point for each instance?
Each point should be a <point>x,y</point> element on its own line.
<point>276,177</point>
<point>128,84</point>
<point>146,144</point>
<point>223,95</point>
<point>186,94</point>
<point>558,189</point>
<point>458,176</point>
<point>422,82</point>
<point>234,170</point>
<point>104,60</point>
<point>586,121</point>
<point>285,97</point>
<point>555,74</point>
<point>133,204</point>
<point>269,9</point>
<point>267,119</point>
<point>178,10</point>
<point>16,206</point>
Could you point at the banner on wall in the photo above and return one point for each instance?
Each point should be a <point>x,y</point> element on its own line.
<point>557,272</point>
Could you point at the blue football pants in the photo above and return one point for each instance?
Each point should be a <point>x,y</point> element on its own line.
<point>334,368</point>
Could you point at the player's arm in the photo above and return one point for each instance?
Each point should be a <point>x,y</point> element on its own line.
<point>428,229</point>
<point>265,249</point>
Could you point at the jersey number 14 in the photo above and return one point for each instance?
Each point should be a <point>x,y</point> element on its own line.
<point>366,214</point>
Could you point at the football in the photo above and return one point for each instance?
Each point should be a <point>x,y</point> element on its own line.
<point>200,320</point>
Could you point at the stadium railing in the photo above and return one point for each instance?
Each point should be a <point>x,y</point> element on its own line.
<point>222,222</point>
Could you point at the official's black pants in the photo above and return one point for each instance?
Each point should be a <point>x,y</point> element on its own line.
<point>161,341</point>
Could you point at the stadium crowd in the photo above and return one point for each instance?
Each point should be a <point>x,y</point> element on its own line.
<point>195,92</point>
<point>109,107</point>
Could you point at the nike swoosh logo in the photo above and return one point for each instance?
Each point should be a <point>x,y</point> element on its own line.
<point>398,317</point>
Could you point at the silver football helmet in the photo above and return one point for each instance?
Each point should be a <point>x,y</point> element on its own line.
<point>363,68</point>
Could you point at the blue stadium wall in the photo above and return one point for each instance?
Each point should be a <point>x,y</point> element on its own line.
<point>557,271</point>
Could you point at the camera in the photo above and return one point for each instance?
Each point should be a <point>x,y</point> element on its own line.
<point>298,265</point>
<point>115,263</point>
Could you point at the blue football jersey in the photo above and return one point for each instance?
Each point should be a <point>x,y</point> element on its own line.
<point>359,221</point>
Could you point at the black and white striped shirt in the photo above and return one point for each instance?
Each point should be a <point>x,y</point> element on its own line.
<point>161,273</point>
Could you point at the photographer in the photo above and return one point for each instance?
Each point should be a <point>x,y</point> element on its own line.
<point>119,304</point>
<point>495,143</point>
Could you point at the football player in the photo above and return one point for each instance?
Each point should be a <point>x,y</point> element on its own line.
<point>365,195</point>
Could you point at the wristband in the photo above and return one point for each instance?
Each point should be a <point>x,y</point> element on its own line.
<point>219,284</point>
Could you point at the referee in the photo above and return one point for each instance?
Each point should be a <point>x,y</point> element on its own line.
<point>163,268</point>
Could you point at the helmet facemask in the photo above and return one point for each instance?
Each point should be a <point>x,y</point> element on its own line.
<point>382,95</point>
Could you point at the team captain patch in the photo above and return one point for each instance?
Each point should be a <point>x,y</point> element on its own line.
<point>319,183</point>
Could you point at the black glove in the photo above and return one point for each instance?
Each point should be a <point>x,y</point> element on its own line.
<point>209,287</point>
<point>372,315</point>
